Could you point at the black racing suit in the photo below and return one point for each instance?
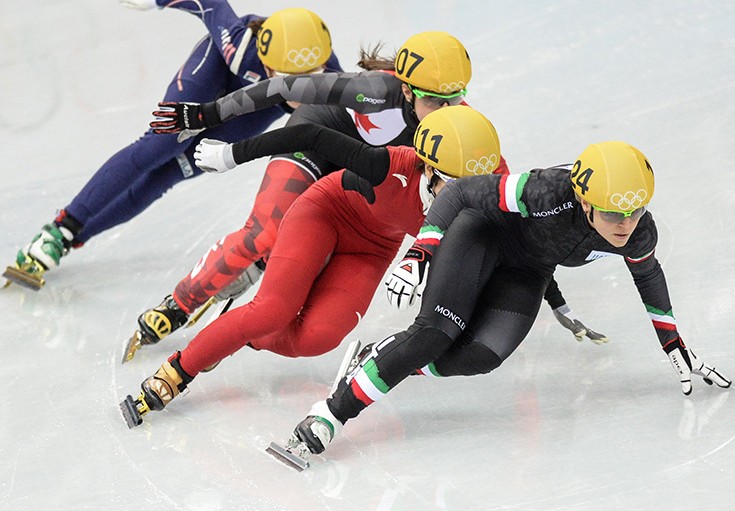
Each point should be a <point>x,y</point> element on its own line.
<point>367,106</point>
<point>487,281</point>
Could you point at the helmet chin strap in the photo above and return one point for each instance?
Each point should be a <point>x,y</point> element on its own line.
<point>426,193</point>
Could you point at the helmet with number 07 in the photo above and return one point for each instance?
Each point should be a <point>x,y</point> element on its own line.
<point>613,176</point>
<point>434,62</point>
<point>294,41</point>
<point>458,141</point>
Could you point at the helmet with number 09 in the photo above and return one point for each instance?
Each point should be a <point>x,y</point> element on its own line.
<point>294,41</point>
<point>613,176</point>
<point>458,141</point>
<point>434,62</point>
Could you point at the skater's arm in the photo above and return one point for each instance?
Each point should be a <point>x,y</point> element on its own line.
<point>371,163</point>
<point>229,33</point>
<point>342,89</point>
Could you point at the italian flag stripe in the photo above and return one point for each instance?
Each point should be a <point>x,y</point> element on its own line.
<point>370,384</point>
<point>511,188</point>
<point>430,235</point>
<point>658,325</point>
<point>359,393</point>
<point>663,320</point>
<point>429,370</point>
<point>642,258</point>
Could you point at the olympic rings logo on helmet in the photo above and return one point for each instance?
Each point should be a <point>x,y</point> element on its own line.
<point>485,165</point>
<point>449,88</point>
<point>306,58</point>
<point>629,200</point>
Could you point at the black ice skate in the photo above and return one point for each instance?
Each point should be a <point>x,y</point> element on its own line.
<point>311,436</point>
<point>157,391</point>
<point>155,324</point>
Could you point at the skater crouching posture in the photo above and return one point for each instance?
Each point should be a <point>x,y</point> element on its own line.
<point>334,244</point>
<point>237,52</point>
<point>489,271</point>
<point>381,107</point>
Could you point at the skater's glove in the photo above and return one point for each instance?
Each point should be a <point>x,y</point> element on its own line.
<point>140,5</point>
<point>186,119</point>
<point>686,363</point>
<point>214,156</point>
<point>566,317</point>
<point>407,282</point>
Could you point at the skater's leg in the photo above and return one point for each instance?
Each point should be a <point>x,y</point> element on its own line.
<point>504,315</point>
<point>230,266</point>
<point>338,300</point>
<point>282,183</point>
<point>303,247</point>
<point>459,272</point>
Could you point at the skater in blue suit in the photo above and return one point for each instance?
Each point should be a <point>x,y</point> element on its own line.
<point>238,51</point>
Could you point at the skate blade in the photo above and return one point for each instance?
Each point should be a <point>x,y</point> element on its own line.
<point>133,345</point>
<point>130,412</point>
<point>287,457</point>
<point>28,280</point>
<point>198,314</point>
<point>352,350</point>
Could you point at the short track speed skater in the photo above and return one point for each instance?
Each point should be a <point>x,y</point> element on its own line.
<point>314,432</point>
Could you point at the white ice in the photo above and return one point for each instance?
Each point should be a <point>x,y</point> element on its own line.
<point>561,425</point>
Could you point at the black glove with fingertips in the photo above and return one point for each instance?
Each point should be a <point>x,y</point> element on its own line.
<point>185,118</point>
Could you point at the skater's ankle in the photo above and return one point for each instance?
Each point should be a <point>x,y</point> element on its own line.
<point>70,227</point>
<point>175,361</point>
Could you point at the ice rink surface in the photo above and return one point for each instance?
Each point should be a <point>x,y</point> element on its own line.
<point>560,426</point>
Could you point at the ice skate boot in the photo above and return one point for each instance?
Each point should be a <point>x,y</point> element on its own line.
<point>157,391</point>
<point>155,324</point>
<point>311,436</point>
<point>43,252</point>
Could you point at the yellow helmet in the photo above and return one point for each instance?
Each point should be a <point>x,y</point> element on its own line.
<point>613,176</point>
<point>458,141</point>
<point>434,62</point>
<point>294,41</point>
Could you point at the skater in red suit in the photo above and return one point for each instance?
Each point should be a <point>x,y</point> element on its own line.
<point>335,243</point>
<point>381,107</point>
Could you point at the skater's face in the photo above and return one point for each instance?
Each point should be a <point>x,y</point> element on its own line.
<point>437,184</point>
<point>615,229</point>
<point>425,104</point>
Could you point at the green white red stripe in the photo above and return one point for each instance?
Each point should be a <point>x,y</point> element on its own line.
<point>640,259</point>
<point>429,370</point>
<point>367,386</point>
<point>430,236</point>
<point>510,188</point>
<point>661,320</point>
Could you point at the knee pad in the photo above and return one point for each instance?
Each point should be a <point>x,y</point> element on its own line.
<point>467,360</point>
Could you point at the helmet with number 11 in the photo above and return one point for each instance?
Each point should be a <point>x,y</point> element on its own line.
<point>457,141</point>
<point>614,177</point>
